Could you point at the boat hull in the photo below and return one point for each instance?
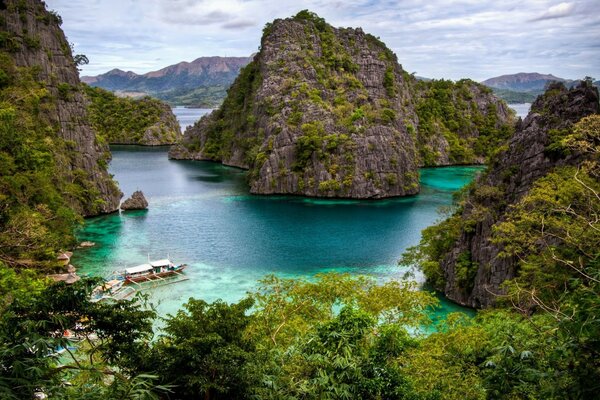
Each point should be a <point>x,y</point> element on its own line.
<point>154,276</point>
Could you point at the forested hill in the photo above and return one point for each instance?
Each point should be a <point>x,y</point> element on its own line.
<point>531,215</point>
<point>121,120</point>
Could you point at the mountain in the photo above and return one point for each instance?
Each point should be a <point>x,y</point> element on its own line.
<point>320,111</point>
<point>202,82</point>
<point>53,170</point>
<point>329,112</point>
<point>528,217</point>
<point>525,87</point>
<point>523,82</point>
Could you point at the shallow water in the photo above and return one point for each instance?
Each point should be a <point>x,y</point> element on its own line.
<point>201,213</point>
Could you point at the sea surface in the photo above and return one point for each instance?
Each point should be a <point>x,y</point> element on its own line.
<point>201,213</point>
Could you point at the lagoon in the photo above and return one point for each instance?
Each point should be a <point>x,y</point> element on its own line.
<point>202,214</point>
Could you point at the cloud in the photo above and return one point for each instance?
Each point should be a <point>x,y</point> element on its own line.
<point>238,24</point>
<point>558,11</point>
<point>439,39</point>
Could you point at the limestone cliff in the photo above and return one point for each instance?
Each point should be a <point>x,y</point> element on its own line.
<point>459,122</point>
<point>320,111</point>
<point>37,55</point>
<point>473,270</point>
<point>121,120</point>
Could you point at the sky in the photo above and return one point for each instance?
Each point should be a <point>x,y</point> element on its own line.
<point>474,39</point>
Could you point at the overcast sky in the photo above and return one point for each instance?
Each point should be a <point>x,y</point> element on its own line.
<point>438,39</point>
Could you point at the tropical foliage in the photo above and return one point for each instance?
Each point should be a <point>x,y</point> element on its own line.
<point>131,121</point>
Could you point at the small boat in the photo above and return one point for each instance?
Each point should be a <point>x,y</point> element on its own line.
<point>152,270</point>
<point>111,290</point>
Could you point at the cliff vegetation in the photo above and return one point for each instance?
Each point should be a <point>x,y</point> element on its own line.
<point>329,112</point>
<point>320,111</point>
<point>123,120</point>
<point>52,169</point>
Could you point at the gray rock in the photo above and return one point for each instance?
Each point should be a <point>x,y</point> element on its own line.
<point>137,201</point>
<point>68,109</point>
<point>515,171</point>
<point>364,150</point>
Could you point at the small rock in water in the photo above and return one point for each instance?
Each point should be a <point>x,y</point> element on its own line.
<point>87,244</point>
<point>137,201</point>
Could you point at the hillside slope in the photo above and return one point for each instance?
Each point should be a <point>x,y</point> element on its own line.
<point>52,168</point>
<point>459,122</point>
<point>513,219</point>
<point>145,121</point>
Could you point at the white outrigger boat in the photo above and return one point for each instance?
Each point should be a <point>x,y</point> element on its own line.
<point>152,270</point>
<point>117,287</point>
<point>112,289</point>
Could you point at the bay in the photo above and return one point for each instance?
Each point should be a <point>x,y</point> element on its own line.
<point>202,214</point>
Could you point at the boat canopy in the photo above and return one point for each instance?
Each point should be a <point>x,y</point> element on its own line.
<point>139,268</point>
<point>161,263</point>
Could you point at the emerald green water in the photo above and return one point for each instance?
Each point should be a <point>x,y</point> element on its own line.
<point>201,214</point>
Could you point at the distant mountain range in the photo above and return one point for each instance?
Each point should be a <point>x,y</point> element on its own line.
<point>524,87</point>
<point>202,82</point>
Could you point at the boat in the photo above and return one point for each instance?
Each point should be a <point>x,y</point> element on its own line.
<point>111,289</point>
<point>152,270</point>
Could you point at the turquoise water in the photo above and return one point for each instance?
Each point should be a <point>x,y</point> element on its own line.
<point>201,213</point>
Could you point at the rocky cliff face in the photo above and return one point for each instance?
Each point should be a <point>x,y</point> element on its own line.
<point>34,40</point>
<point>320,111</point>
<point>527,157</point>
<point>119,120</point>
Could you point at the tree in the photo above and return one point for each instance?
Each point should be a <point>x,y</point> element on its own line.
<point>204,351</point>
<point>112,337</point>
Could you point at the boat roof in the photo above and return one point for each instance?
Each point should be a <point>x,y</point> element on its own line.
<point>139,268</point>
<point>160,263</point>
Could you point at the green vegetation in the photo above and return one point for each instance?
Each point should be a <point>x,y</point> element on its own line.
<point>510,96</point>
<point>201,96</point>
<point>230,125</point>
<point>450,109</point>
<point>125,120</point>
<point>544,344</point>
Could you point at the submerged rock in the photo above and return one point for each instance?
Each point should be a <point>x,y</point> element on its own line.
<point>137,201</point>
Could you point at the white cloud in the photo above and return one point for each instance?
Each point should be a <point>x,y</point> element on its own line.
<point>451,39</point>
<point>557,11</point>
